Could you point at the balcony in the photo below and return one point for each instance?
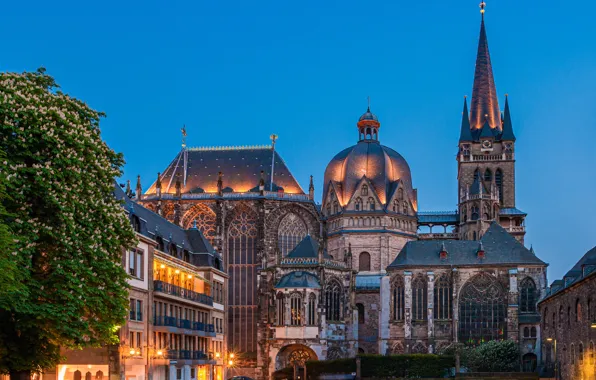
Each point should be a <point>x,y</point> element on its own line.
<point>174,290</point>
<point>187,355</point>
<point>440,235</point>
<point>184,324</point>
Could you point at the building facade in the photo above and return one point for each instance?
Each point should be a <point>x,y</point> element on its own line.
<point>569,322</point>
<point>363,272</point>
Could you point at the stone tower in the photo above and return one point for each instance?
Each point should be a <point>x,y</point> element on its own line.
<point>486,157</point>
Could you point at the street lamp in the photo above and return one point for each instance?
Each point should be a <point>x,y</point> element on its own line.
<point>554,341</point>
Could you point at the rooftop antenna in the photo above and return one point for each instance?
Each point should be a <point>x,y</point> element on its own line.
<point>368,99</point>
<point>273,138</point>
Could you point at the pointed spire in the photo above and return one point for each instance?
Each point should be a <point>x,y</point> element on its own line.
<point>466,133</point>
<point>532,249</point>
<point>486,131</point>
<point>485,106</point>
<point>311,189</point>
<point>507,126</point>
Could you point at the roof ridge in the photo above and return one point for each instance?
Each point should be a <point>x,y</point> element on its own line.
<point>228,147</point>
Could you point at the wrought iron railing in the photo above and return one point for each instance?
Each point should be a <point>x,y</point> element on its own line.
<point>174,290</point>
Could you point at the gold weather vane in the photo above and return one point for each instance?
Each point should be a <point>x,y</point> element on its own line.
<point>482,6</point>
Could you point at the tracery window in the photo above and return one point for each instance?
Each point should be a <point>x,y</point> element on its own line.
<point>488,175</point>
<point>371,204</point>
<point>419,299</point>
<point>280,308</point>
<point>527,296</point>
<point>499,183</point>
<point>291,231</point>
<point>168,211</point>
<point>312,309</point>
<point>395,206</point>
<point>295,309</point>
<point>364,190</point>
<point>364,261</point>
<point>405,207</point>
<point>242,291</point>
<point>578,311</point>
<point>443,297</point>
<point>360,308</point>
<point>397,299</point>
<point>333,301</point>
<point>335,207</point>
<point>358,204</point>
<point>483,310</point>
<point>204,218</point>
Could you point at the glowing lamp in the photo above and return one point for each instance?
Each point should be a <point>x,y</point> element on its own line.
<point>549,339</point>
<point>217,355</point>
<point>159,352</point>
<point>189,276</point>
<point>131,352</point>
<point>162,266</point>
<point>176,271</point>
<point>231,363</point>
<point>593,325</point>
<point>232,355</point>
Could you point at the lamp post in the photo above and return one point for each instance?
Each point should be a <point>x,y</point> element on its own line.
<point>228,361</point>
<point>156,354</point>
<point>554,342</point>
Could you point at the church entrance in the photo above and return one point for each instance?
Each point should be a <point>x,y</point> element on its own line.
<point>295,356</point>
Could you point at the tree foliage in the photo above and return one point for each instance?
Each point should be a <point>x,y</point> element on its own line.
<point>492,356</point>
<point>68,229</point>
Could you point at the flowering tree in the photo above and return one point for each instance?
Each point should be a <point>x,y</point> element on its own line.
<point>68,230</point>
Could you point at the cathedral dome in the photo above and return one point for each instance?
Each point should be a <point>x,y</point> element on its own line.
<point>382,166</point>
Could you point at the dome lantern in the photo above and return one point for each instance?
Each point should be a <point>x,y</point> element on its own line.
<point>368,126</point>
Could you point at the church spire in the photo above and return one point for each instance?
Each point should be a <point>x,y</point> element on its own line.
<point>507,127</point>
<point>484,106</point>
<point>466,133</point>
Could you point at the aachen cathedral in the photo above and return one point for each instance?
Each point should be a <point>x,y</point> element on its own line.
<point>355,273</point>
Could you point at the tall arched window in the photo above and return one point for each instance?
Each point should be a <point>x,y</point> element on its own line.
<point>578,311</point>
<point>280,308</point>
<point>443,297</point>
<point>527,296</point>
<point>333,301</point>
<point>291,231</point>
<point>335,207</point>
<point>499,183</point>
<point>475,212</point>
<point>533,332</point>
<point>364,190</point>
<point>371,204</point>
<point>580,353</point>
<point>204,218</point>
<point>400,194</point>
<point>358,204</point>
<point>405,207</point>
<point>312,310</point>
<point>560,315</point>
<point>360,308</point>
<point>295,309</point>
<point>488,175</point>
<point>482,310</point>
<point>568,316</point>
<point>242,290</point>
<point>419,299</point>
<point>364,262</point>
<point>397,299</point>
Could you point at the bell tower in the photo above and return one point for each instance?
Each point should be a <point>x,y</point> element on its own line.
<point>486,157</point>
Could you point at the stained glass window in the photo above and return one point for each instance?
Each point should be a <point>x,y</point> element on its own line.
<point>419,299</point>
<point>488,175</point>
<point>527,296</point>
<point>312,309</point>
<point>482,311</point>
<point>291,231</point>
<point>397,299</point>
<point>204,218</point>
<point>296,309</point>
<point>333,301</point>
<point>242,267</point>
<point>443,297</point>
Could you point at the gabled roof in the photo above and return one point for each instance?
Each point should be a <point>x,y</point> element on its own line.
<point>307,248</point>
<point>241,168</point>
<point>299,279</point>
<point>584,267</point>
<point>512,211</point>
<point>153,226</point>
<point>477,185</point>
<point>499,248</point>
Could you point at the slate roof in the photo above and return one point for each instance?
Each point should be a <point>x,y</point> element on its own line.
<point>499,247</point>
<point>299,279</point>
<point>153,226</point>
<point>512,211</point>
<point>307,248</point>
<point>586,266</point>
<point>368,282</point>
<point>241,169</point>
<point>476,185</point>
<point>438,217</point>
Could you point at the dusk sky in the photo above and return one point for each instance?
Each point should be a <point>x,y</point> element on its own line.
<point>236,71</point>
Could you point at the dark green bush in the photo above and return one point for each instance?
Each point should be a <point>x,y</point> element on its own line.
<point>317,367</point>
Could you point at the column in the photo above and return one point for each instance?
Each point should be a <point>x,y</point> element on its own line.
<point>385,294</point>
<point>172,369</point>
<point>512,307</point>
<point>186,372</point>
<point>408,305</point>
<point>287,309</point>
<point>455,303</point>
<point>431,304</point>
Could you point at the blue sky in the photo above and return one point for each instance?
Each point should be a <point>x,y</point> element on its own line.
<point>236,71</point>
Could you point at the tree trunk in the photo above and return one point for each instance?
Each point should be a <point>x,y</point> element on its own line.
<point>20,375</point>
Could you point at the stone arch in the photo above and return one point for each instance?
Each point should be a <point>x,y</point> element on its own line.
<point>290,232</point>
<point>294,354</point>
<point>204,217</point>
<point>277,215</point>
<point>397,348</point>
<point>419,348</point>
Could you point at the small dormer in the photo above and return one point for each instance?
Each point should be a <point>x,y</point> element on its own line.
<point>480,254</point>
<point>443,252</point>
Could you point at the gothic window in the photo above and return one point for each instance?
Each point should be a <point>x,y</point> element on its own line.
<point>443,297</point>
<point>475,213</point>
<point>527,296</point>
<point>291,231</point>
<point>482,310</point>
<point>400,194</point>
<point>295,309</point>
<point>533,332</point>
<point>419,299</point>
<point>364,190</point>
<point>395,206</point>
<point>578,311</point>
<point>488,175</point>
<point>335,207</point>
<point>364,261</point>
<point>405,207</point>
<point>358,204</point>
<point>203,217</point>
<point>242,267</point>
<point>580,353</point>
<point>499,183</point>
<point>360,308</point>
<point>77,375</point>
<point>464,212</point>
<point>397,299</point>
<point>281,309</point>
<point>312,309</point>
<point>526,332</point>
<point>560,315</point>
<point>568,316</point>
<point>371,204</point>
<point>333,301</point>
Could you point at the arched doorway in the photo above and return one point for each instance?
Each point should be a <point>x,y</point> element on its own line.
<point>529,362</point>
<point>295,356</point>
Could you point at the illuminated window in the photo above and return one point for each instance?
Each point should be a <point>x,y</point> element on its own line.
<point>443,297</point>
<point>397,299</point>
<point>527,296</point>
<point>296,309</point>
<point>419,299</point>
<point>136,263</point>
<point>291,231</point>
